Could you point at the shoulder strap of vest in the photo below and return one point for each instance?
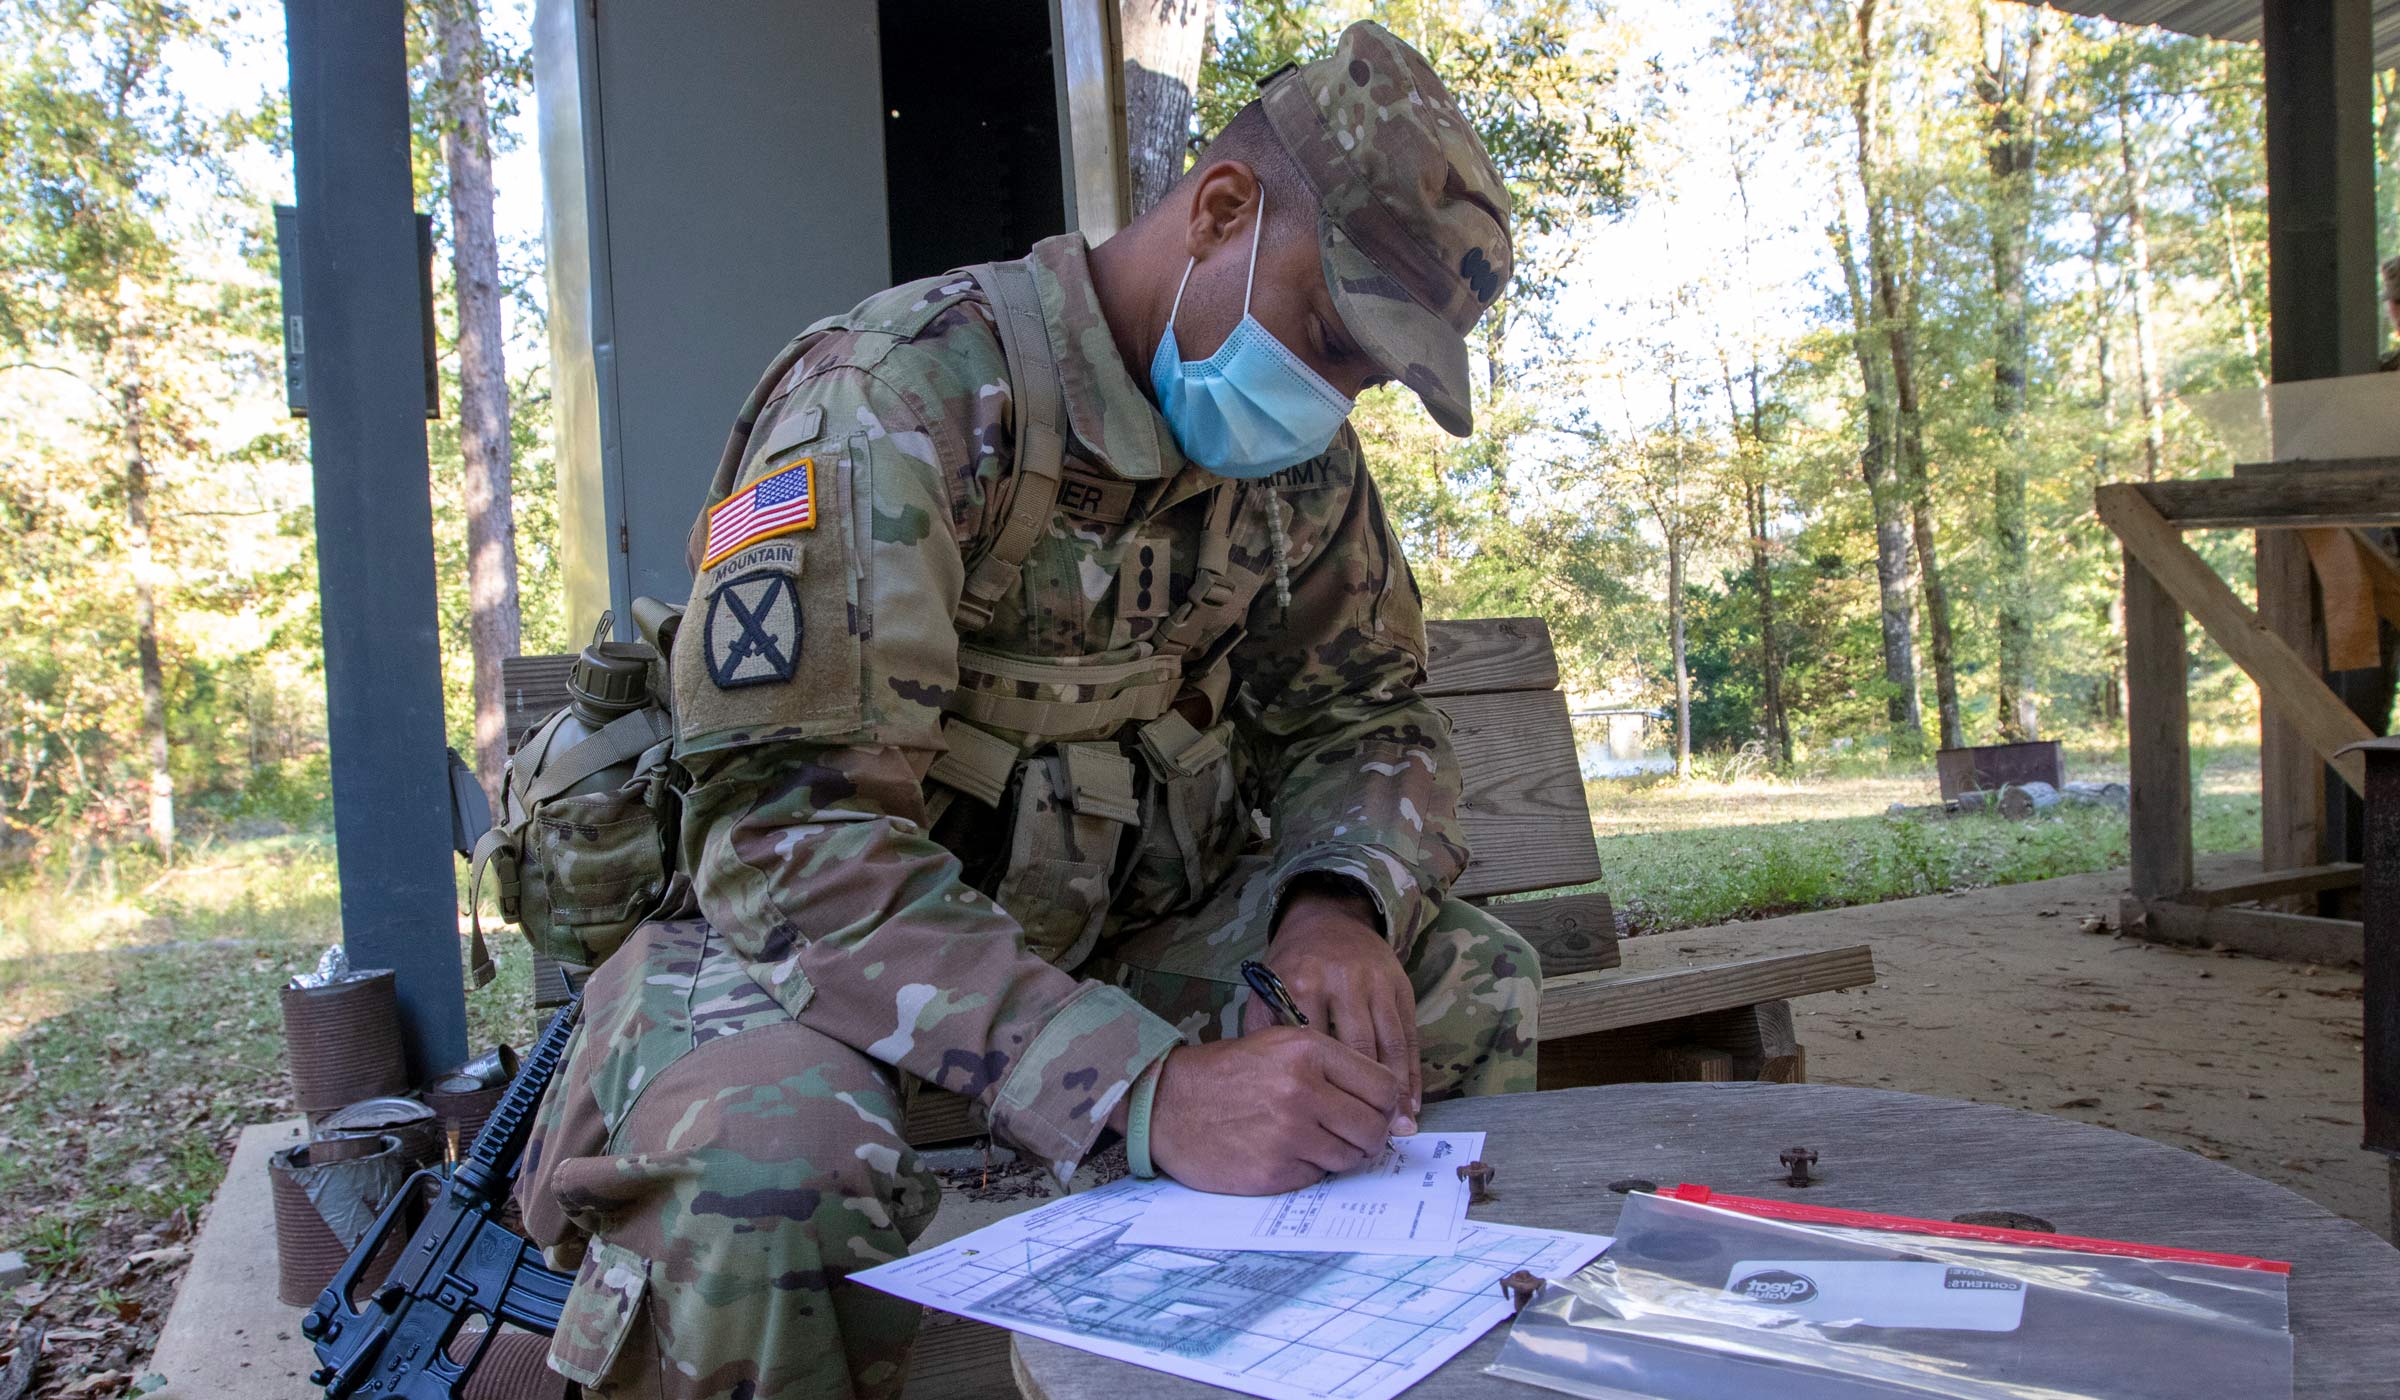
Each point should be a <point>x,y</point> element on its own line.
<point>1035,397</point>
<point>1212,577</point>
<point>626,737</point>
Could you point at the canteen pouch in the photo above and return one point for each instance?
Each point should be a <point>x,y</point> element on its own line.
<point>593,870</point>
<point>1072,806</point>
<point>1192,820</point>
<point>577,872</point>
<point>1695,1301</point>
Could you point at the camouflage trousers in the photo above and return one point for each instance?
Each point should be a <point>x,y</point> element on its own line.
<point>713,1170</point>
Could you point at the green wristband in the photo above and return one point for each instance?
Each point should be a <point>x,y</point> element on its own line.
<point>1137,1121</point>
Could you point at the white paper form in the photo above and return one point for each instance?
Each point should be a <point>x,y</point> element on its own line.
<point>1408,1201</point>
<point>1280,1326</point>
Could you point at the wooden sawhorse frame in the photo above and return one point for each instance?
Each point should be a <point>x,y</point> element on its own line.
<point>2164,580</point>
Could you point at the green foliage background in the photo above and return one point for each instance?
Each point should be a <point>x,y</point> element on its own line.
<point>136,250</point>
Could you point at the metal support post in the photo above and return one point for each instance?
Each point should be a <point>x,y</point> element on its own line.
<point>375,578</point>
<point>2322,304</point>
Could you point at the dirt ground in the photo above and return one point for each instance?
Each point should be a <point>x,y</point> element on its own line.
<point>1999,996</point>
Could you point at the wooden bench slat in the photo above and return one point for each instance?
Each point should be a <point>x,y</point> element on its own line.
<point>1523,806</point>
<point>549,983</point>
<point>1598,1001</point>
<point>1571,932</point>
<point>530,688</point>
<point>1468,656</point>
<point>2307,879</point>
<point>937,1115</point>
<point>2359,491</point>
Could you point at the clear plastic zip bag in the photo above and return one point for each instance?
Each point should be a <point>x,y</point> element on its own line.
<point>1698,1301</point>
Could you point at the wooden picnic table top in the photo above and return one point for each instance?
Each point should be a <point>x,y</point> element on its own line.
<point>1906,1154</point>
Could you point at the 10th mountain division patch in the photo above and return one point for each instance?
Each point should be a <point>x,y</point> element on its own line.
<point>753,630</point>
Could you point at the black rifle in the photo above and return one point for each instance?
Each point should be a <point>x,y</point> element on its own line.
<point>461,1263</point>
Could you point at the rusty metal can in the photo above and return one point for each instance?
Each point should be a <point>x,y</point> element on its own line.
<point>343,1043</point>
<point>327,1193</point>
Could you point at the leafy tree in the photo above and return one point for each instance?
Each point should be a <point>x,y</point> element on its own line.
<point>107,175</point>
<point>456,102</point>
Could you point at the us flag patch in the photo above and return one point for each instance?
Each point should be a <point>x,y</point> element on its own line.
<point>782,501</point>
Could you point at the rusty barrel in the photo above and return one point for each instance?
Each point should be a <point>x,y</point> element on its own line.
<point>326,1194</point>
<point>417,1126</point>
<point>460,1104</point>
<point>343,1042</point>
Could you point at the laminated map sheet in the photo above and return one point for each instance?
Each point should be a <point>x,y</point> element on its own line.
<point>1282,1326</point>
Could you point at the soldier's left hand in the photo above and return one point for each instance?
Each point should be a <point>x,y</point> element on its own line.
<point>1345,977</point>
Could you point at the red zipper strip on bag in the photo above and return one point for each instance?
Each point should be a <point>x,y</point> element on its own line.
<point>1869,1220</point>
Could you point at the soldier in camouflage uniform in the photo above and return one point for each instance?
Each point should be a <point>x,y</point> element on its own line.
<point>997,799</point>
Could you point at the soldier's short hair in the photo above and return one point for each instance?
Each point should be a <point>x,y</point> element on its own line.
<point>1250,138</point>
<point>2391,279</point>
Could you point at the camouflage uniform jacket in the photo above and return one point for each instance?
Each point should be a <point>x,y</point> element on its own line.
<point>817,662</point>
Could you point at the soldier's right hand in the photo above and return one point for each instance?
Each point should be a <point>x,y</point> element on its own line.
<point>1272,1111</point>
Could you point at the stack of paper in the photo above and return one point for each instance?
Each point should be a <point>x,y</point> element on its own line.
<point>1356,1287</point>
<point>1411,1200</point>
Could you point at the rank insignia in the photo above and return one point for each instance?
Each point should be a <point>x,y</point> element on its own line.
<point>753,630</point>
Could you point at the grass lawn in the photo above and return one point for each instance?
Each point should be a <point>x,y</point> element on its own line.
<point>139,1032</point>
<point>1680,854</point>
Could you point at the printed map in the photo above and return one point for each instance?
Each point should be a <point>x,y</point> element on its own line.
<point>1284,1326</point>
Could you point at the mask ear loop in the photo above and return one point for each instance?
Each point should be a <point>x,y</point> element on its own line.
<point>1188,265</point>
<point>1249,278</point>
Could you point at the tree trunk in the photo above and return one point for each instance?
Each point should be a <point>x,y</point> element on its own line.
<point>2387,155</point>
<point>1903,711</point>
<point>1917,481</point>
<point>1770,662</point>
<point>1673,520</point>
<point>493,624</point>
<point>2108,706</point>
<point>2145,337</point>
<point>2013,102</point>
<point>2238,271</point>
<point>1896,315</point>
<point>142,558</point>
<point>1750,449</point>
<point>1754,498</point>
<point>1683,673</point>
<point>1163,42</point>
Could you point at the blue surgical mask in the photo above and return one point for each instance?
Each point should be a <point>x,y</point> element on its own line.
<point>1252,408</point>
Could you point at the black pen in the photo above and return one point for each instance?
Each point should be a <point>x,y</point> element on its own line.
<point>1269,988</point>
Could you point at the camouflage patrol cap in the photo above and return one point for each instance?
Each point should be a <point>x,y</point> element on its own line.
<point>1413,216</point>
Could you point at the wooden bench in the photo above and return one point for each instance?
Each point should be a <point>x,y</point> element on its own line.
<point>1530,831</point>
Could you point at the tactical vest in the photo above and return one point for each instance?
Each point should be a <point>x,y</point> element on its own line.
<point>1070,759</point>
<point>1067,756</point>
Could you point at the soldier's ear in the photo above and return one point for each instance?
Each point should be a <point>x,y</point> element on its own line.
<point>1224,202</point>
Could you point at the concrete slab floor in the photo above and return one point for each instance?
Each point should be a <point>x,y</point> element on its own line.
<point>226,1335</point>
<point>1991,995</point>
